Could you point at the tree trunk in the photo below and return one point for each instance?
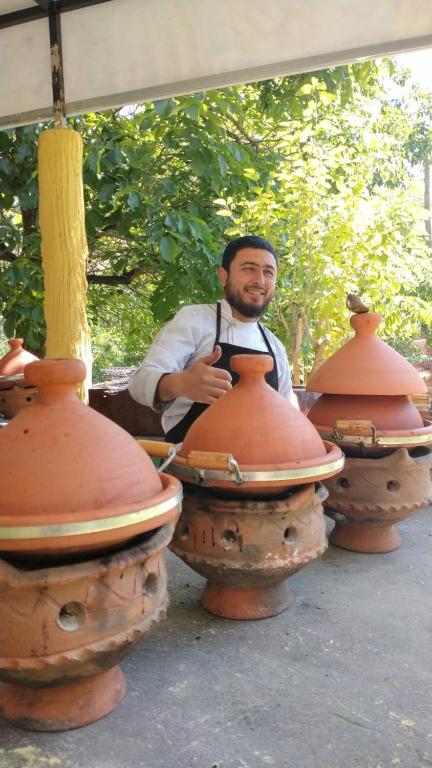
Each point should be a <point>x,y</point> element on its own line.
<point>427,199</point>
<point>296,350</point>
<point>29,218</point>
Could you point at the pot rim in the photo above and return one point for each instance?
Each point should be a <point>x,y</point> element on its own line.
<point>159,509</point>
<point>285,474</point>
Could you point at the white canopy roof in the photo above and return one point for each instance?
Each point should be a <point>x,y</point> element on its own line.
<point>126,51</point>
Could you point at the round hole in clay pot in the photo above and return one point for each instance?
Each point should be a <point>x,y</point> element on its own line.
<point>228,538</point>
<point>150,585</point>
<point>289,535</point>
<point>393,486</point>
<point>343,482</point>
<point>71,616</point>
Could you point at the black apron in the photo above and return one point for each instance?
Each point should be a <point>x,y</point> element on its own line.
<point>177,433</point>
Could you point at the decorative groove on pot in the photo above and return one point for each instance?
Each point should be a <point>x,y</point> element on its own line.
<point>57,661</point>
<point>357,498</point>
<point>247,547</point>
<point>122,595</point>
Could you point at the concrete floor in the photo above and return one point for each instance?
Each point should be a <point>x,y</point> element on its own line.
<point>343,679</point>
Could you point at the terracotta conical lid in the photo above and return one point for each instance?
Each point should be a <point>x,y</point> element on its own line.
<point>14,361</point>
<point>68,474</point>
<point>365,365</point>
<point>254,423</point>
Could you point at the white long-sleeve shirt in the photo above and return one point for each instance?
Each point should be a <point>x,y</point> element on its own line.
<point>189,336</point>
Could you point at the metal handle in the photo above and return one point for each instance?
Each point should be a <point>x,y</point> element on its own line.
<point>160,450</point>
<point>354,428</point>
<point>221,462</point>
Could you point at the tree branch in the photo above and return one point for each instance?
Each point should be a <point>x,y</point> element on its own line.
<point>124,279</point>
<point>254,143</point>
<point>6,255</point>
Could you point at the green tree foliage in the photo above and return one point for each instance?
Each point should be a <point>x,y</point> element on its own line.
<point>316,162</point>
<point>21,285</point>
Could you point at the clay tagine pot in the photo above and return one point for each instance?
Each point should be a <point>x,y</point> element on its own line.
<point>71,479</point>
<point>14,395</point>
<point>16,359</point>
<point>366,385</point>
<point>65,628</point>
<point>253,441</point>
<point>365,407</point>
<point>250,527</point>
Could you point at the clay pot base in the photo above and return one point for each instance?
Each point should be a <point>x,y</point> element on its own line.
<point>246,549</point>
<point>369,539</point>
<point>63,707</point>
<point>246,604</point>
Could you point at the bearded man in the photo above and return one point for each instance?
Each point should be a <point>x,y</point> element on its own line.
<point>188,365</point>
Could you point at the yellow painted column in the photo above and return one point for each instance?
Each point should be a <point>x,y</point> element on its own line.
<point>64,244</point>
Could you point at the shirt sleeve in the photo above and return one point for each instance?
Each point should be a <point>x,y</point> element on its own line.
<point>171,352</point>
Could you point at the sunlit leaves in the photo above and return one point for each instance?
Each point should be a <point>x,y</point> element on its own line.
<point>316,162</point>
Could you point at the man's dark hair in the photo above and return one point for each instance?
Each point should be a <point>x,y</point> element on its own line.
<point>248,241</point>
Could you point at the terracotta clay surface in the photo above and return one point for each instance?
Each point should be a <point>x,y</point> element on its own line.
<point>272,443</point>
<point>365,365</point>
<point>246,548</point>
<point>14,399</point>
<point>64,707</point>
<point>254,423</point>
<point>63,630</point>
<point>15,360</point>
<point>72,479</point>
<point>371,495</point>
<point>385,412</point>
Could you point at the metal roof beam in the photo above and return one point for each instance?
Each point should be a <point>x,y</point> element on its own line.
<point>42,10</point>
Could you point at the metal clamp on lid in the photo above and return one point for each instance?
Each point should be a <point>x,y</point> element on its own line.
<point>359,431</point>
<point>222,462</point>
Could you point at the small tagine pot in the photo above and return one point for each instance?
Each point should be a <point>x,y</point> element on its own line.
<point>14,394</point>
<point>256,518</point>
<point>71,479</point>
<point>84,522</point>
<point>366,409</point>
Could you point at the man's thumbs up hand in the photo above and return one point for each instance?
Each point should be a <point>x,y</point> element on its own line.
<point>203,383</point>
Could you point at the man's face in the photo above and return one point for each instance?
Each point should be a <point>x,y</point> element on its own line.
<point>250,282</point>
